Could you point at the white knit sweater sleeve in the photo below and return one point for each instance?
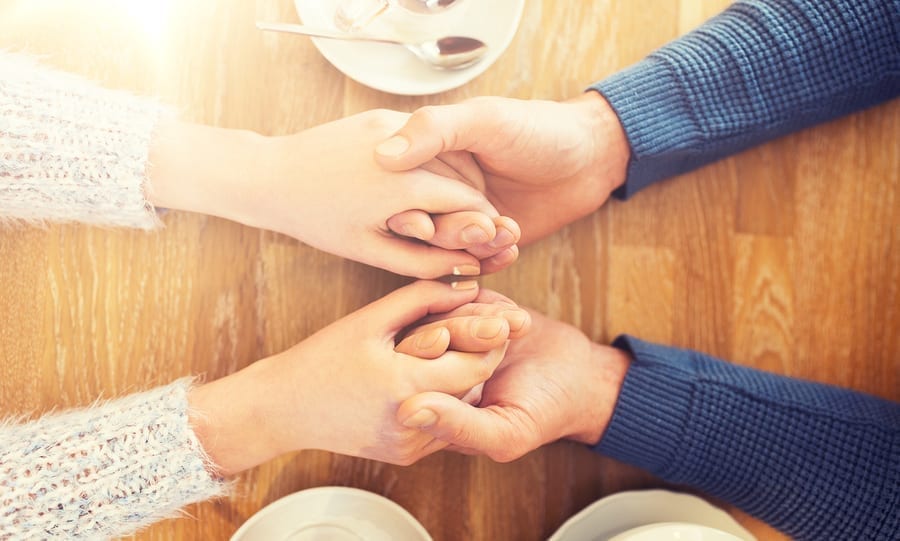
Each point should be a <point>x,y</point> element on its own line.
<point>103,471</point>
<point>70,150</point>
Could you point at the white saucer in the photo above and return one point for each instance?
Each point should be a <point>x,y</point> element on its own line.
<point>391,68</point>
<point>621,512</point>
<point>333,513</point>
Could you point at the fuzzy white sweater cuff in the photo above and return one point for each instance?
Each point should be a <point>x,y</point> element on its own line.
<point>70,150</point>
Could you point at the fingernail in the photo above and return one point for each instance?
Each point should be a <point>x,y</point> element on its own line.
<point>428,339</point>
<point>474,234</point>
<point>421,419</point>
<point>393,147</point>
<point>464,284</point>
<point>488,328</point>
<point>466,270</point>
<point>408,230</point>
<point>506,256</point>
<point>503,238</point>
<point>515,318</point>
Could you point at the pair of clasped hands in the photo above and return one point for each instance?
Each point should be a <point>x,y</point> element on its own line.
<point>447,191</point>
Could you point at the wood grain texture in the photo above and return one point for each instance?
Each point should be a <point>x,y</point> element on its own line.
<point>785,257</point>
<point>641,283</point>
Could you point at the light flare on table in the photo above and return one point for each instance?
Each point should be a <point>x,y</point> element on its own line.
<point>149,16</point>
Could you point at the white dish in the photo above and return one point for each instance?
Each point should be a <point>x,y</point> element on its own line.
<point>675,531</point>
<point>332,513</point>
<point>624,511</point>
<point>391,68</point>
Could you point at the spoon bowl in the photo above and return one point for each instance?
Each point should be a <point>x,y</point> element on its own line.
<point>452,52</point>
<point>447,53</point>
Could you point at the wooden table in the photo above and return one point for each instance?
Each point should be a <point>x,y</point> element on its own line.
<point>786,257</point>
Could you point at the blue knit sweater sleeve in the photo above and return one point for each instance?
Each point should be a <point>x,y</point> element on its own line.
<point>815,461</point>
<point>760,69</point>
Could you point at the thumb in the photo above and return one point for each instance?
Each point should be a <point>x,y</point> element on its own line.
<point>489,430</point>
<point>429,131</point>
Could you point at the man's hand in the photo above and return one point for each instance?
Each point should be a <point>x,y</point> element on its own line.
<point>545,164</point>
<point>553,383</point>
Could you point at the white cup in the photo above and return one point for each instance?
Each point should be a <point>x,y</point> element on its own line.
<point>395,19</point>
<point>675,531</point>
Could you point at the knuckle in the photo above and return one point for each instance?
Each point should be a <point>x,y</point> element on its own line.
<point>506,454</point>
<point>401,452</point>
<point>483,370</point>
<point>429,119</point>
<point>427,115</point>
<point>461,435</point>
<point>406,440</point>
<point>404,460</point>
<point>380,119</point>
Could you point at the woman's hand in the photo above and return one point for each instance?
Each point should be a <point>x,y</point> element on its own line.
<point>323,187</point>
<point>339,389</point>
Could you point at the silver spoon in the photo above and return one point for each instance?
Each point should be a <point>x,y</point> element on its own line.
<point>452,52</point>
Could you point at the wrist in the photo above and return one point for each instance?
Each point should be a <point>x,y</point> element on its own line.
<point>229,419</point>
<point>610,144</point>
<point>207,170</point>
<point>607,369</point>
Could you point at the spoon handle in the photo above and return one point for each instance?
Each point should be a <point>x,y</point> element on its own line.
<point>321,32</point>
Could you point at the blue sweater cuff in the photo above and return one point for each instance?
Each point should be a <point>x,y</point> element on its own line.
<point>647,97</point>
<point>649,419</point>
<point>759,70</point>
<point>816,461</point>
